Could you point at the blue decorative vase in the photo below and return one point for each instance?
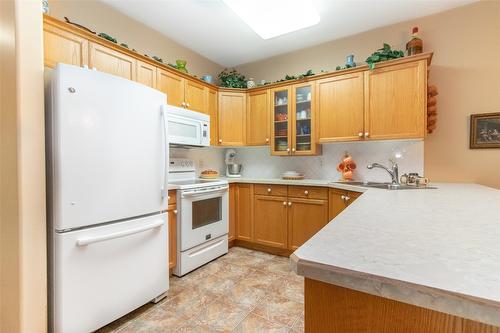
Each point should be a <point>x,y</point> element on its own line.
<point>350,61</point>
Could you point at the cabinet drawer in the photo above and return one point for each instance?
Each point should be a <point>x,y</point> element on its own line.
<point>268,189</point>
<point>310,192</point>
<point>172,197</point>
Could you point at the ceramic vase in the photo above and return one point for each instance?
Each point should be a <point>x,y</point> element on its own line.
<point>250,83</point>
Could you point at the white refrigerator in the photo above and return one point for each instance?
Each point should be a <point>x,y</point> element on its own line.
<point>107,167</point>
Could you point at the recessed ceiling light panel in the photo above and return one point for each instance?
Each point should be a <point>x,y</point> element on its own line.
<point>272,18</point>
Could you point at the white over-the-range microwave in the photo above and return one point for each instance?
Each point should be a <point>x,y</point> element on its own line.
<point>188,128</point>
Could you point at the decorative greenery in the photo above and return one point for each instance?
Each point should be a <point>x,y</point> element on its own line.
<point>172,65</point>
<point>108,37</point>
<point>383,54</point>
<point>346,66</point>
<point>232,79</point>
<point>157,59</point>
<point>293,77</point>
<point>124,45</point>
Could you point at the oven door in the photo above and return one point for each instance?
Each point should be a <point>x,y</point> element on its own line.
<point>203,215</point>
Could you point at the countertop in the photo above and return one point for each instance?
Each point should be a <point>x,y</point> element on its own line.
<point>434,248</point>
<point>279,181</point>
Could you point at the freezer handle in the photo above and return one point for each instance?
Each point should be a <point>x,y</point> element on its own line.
<point>101,238</point>
<point>164,152</point>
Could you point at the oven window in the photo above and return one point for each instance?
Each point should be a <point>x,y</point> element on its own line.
<point>206,212</point>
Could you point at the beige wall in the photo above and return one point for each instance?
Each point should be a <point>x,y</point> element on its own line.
<point>466,45</point>
<point>99,17</point>
<point>23,300</point>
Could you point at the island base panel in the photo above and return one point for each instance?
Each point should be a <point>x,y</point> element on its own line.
<point>334,309</point>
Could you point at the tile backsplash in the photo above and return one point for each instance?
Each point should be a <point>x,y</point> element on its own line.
<point>258,163</point>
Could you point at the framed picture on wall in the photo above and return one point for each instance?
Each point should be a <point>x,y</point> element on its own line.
<point>485,130</point>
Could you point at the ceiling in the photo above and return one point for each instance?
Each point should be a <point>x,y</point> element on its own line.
<point>213,30</point>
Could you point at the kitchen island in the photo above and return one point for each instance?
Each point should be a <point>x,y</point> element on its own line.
<point>406,261</point>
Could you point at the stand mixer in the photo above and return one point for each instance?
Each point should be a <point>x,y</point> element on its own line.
<point>233,170</point>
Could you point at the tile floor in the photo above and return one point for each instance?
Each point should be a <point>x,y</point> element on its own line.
<point>243,291</point>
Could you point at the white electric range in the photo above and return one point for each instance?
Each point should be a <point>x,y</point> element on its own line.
<point>202,216</point>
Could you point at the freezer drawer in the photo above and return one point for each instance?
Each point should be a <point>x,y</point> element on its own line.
<point>102,273</point>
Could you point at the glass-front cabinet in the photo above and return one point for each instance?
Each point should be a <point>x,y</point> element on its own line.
<point>281,130</point>
<point>293,120</point>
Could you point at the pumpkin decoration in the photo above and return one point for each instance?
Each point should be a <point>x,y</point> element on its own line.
<point>346,167</point>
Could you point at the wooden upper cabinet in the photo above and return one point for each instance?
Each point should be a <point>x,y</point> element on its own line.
<point>195,96</point>
<point>146,74</point>
<point>305,218</point>
<point>302,120</point>
<point>107,60</point>
<point>64,47</point>
<point>258,118</point>
<point>244,212</point>
<point>172,85</point>
<point>232,118</point>
<point>270,221</point>
<point>395,101</point>
<point>281,143</point>
<point>340,108</point>
<point>212,106</point>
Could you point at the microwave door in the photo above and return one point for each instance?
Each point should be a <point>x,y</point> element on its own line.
<point>184,131</point>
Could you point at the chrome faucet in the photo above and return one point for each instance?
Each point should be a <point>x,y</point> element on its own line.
<point>393,171</point>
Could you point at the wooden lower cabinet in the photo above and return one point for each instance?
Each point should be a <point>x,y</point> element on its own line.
<point>244,212</point>
<point>338,200</point>
<point>280,218</point>
<point>232,212</point>
<point>172,229</point>
<point>305,218</point>
<point>333,309</point>
<point>270,221</point>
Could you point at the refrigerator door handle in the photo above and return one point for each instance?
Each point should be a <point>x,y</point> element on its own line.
<point>89,240</point>
<point>164,148</point>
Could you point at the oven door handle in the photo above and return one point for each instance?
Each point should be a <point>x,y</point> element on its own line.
<point>204,192</point>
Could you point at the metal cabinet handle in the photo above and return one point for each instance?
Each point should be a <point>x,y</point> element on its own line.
<point>220,140</point>
<point>183,104</point>
<point>293,150</point>
<point>367,134</point>
<point>188,105</point>
<point>289,203</point>
<point>168,197</point>
<point>288,149</point>
<point>360,134</point>
<point>347,198</point>
<point>175,211</point>
<point>342,197</point>
<point>269,190</point>
<point>284,203</point>
<point>306,192</point>
<point>267,139</point>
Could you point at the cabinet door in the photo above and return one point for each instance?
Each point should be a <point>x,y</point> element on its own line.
<point>305,218</point>
<point>212,104</point>
<point>281,120</point>
<point>110,61</point>
<point>232,119</point>
<point>172,236</point>
<point>303,124</point>
<point>244,212</point>
<point>146,74</point>
<point>395,101</point>
<point>172,85</point>
<point>195,96</point>
<point>270,221</point>
<point>258,120</point>
<point>63,46</point>
<point>336,202</point>
<point>352,196</point>
<point>340,108</point>
<point>232,211</point>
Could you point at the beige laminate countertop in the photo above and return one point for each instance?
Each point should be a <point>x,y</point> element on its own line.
<point>279,181</point>
<point>434,248</point>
